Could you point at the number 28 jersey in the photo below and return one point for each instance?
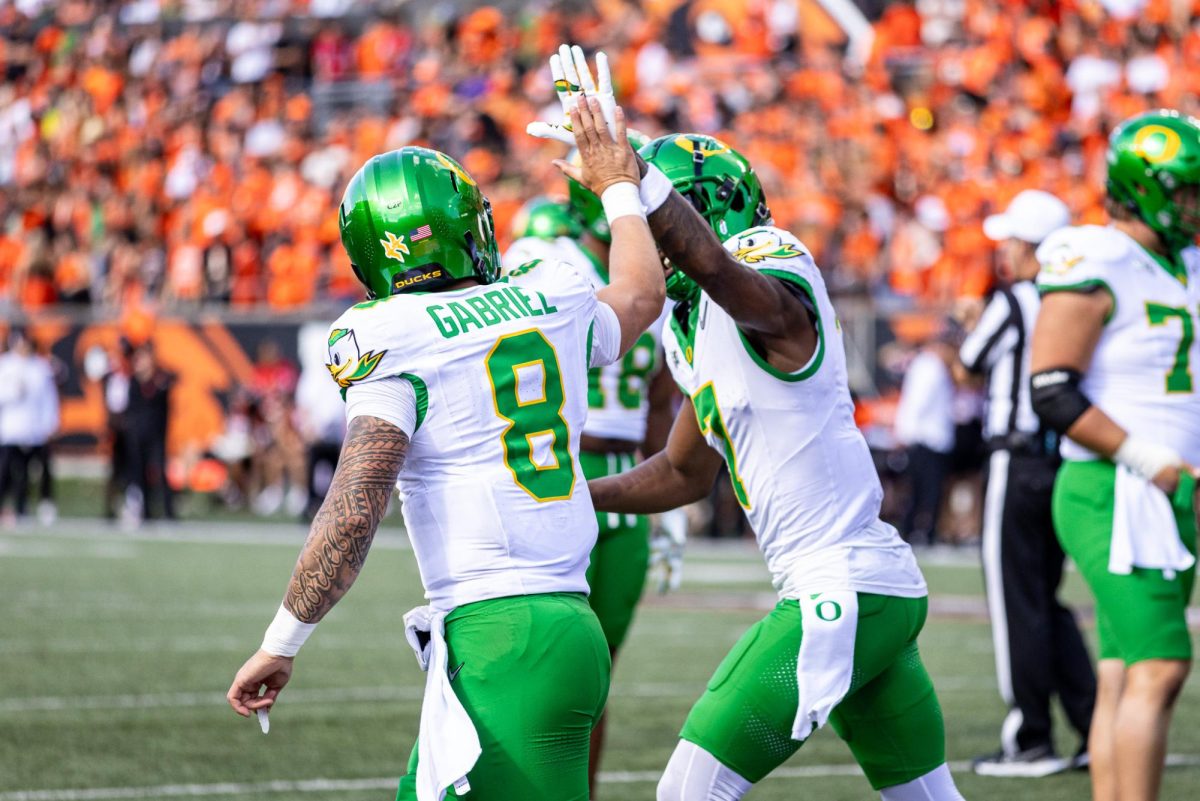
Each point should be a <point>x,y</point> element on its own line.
<point>1141,374</point>
<point>495,501</point>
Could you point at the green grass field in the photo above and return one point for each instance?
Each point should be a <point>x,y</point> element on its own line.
<point>116,650</point>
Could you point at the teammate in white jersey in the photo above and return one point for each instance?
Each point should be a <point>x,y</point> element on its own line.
<point>469,394</point>
<point>629,413</point>
<point>1112,369</point>
<point>755,344</point>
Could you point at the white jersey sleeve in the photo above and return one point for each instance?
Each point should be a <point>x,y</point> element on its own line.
<point>605,336</point>
<point>1081,259</point>
<point>393,400</point>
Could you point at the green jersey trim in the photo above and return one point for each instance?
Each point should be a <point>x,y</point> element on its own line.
<point>1084,287</point>
<point>422,393</point>
<point>815,363</point>
<point>588,350</point>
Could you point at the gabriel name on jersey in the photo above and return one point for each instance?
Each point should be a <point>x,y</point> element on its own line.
<point>800,468</point>
<point>491,308</point>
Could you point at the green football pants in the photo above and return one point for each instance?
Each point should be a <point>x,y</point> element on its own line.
<point>890,717</point>
<point>617,570</point>
<point>1139,616</point>
<point>532,672</point>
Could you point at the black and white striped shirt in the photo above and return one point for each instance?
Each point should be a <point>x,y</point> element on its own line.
<point>999,348</point>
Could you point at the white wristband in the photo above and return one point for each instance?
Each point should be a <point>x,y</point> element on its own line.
<point>1146,459</point>
<point>286,634</point>
<point>622,200</point>
<point>654,189</point>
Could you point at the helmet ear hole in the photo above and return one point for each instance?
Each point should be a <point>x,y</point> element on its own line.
<point>738,203</point>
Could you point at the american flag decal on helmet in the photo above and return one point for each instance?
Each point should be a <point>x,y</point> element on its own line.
<point>420,233</point>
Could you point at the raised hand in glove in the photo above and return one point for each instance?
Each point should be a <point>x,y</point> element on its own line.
<point>572,80</point>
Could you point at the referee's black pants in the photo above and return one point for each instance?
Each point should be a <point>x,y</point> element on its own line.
<point>1039,650</point>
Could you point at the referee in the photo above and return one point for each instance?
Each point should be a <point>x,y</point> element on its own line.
<point>1039,650</point>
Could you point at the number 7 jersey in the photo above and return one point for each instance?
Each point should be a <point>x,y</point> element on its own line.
<point>800,469</point>
<point>1142,371</point>
<point>495,502</point>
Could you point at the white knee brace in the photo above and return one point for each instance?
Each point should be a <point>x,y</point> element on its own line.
<point>936,785</point>
<point>693,774</point>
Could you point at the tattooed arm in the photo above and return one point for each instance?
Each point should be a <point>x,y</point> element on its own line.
<point>765,308</point>
<point>336,549</point>
<point>344,527</point>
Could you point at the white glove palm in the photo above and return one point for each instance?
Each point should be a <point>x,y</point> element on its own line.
<point>572,80</point>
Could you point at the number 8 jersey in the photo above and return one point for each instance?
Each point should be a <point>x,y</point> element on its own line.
<point>495,502</point>
<point>1141,373</point>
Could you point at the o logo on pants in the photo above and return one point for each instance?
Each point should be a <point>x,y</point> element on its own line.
<point>831,614</point>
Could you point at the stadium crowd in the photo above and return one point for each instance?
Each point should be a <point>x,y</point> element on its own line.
<point>193,151</point>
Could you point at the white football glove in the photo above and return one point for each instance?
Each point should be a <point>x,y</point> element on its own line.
<point>666,549</point>
<point>572,80</point>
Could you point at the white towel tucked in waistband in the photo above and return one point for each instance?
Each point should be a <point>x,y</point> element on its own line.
<point>1144,533</point>
<point>447,745</point>
<point>825,664</point>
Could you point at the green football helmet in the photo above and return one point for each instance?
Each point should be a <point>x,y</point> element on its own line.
<point>412,219</point>
<point>1154,171</point>
<point>585,203</point>
<point>546,218</point>
<point>718,181</point>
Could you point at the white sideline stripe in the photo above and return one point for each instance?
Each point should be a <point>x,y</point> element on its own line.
<point>56,703</point>
<point>389,782</point>
<point>52,703</point>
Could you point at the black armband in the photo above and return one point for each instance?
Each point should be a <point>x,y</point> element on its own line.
<point>1057,399</point>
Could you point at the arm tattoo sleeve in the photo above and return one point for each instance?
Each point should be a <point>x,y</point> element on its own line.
<point>344,527</point>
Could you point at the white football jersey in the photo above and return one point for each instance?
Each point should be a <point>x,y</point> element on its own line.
<point>799,466</point>
<point>495,501</point>
<point>618,394</point>
<point>1141,374</point>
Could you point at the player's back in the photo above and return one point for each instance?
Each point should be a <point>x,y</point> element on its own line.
<point>494,499</point>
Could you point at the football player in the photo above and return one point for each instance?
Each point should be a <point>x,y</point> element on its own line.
<point>755,343</point>
<point>1111,368</point>
<point>468,393</point>
<point>629,411</point>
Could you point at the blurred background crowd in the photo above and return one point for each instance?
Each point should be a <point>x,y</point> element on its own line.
<point>193,151</point>
<point>188,155</point>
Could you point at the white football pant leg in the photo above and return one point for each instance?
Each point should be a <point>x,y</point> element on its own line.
<point>936,785</point>
<point>693,774</point>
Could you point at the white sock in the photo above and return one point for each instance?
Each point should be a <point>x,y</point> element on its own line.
<point>693,774</point>
<point>936,785</point>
